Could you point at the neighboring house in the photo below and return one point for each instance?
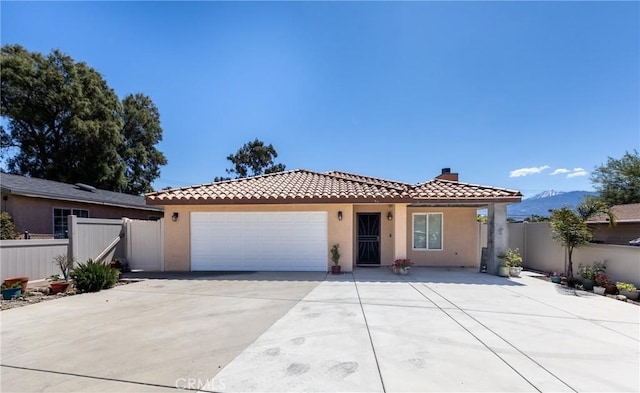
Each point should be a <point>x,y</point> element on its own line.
<point>627,227</point>
<point>289,220</point>
<point>42,206</point>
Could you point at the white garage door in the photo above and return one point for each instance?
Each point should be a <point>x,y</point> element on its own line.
<point>259,241</point>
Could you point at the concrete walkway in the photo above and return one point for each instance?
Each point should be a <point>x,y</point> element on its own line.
<point>371,331</point>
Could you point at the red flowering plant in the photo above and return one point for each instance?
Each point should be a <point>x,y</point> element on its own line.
<point>402,263</point>
<point>602,280</point>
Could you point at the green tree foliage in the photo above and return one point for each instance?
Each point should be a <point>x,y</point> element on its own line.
<point>536,218</point>
<point>141,132</point>
<point>6,227</point>
<point>253,159</point>
<point>593,206</point>
<point>618,181</point>
<point>569,229</point>
<point>65,123</point>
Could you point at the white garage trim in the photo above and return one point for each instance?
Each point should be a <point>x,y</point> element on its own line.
<point>262,241</point>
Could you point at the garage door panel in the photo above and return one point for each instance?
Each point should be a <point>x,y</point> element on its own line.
<point>259,241</point>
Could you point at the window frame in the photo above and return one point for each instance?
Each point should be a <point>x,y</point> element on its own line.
<point>73,211</point>
<point>413,233</point>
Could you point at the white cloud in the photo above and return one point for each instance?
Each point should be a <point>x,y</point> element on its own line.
<point>527,171</point>
<point>559,171</point>
<point>577,172</point>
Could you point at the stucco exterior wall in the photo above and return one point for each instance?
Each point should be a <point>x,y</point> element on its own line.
<point>36,214</point>
<point>177,234</point>
<point>459,241</point>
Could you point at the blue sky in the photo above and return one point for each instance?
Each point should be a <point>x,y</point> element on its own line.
<point>530,96</point>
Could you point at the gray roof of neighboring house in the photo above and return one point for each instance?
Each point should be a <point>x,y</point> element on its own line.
<point>40,188</point>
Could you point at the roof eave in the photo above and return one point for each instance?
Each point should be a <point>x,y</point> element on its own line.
<point>89,201</point>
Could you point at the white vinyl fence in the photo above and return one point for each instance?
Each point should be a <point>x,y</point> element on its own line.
<point>144,245</point>
<point>138,242</point>
<point>31,258</point>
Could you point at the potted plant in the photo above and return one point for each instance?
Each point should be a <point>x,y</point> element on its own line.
<point>512,260</point>
<point>601,281</point>
<point>59,284</point>
<point>335,258</point>
<point>554,276</point>
<point>23,281</point>
<point>588,274</point>
<point>9,291</point>
<point>628,290</point>
<point>402,265</point>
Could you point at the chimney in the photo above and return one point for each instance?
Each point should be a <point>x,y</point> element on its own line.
<point>447,175</point>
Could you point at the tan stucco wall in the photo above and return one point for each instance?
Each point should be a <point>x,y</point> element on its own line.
<point>177,234</point>
<point>459,240</point>
<point>36,214</point>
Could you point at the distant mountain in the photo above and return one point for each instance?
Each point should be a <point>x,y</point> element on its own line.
<point>541,203</point>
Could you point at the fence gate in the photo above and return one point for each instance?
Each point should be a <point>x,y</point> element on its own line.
<point>145,245</point>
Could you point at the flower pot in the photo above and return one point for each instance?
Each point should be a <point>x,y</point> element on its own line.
<point>632,295</point>
<point>8,294</point>
<point>556,279</point>
<point>403,271</point>
<point>503,271</point>
<point>515,271</point>
<point>587,284</point>
<point>611,289</point>
<point>598,290</point>
<point>58,286</point>
<point>22,280</point>
<point>335,269</point>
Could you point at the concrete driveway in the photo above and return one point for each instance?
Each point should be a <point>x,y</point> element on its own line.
<point>371,331</point>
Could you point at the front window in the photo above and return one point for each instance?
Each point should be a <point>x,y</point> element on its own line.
<point>427,231</point>
<point>60,224</point>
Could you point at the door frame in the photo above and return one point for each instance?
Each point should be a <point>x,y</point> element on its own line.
<point>379,240</point>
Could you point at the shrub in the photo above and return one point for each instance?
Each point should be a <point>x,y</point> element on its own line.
<point>94,276</point>
<point>511,258</point>
<point>625,286</point>
<point>6,227</point>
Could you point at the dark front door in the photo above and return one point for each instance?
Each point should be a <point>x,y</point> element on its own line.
<point>368,238</point>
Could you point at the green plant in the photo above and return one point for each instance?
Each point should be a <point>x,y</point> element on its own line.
<point>335,254</point>
<point>587,272</point>
<point>591,272</point>
<point>570,230</point>
<point>512,258</point>
<point>625,286</point>
<point>65,264</point>
<point>93,276</point>
<point>13,285</point>
<point>6,227</point>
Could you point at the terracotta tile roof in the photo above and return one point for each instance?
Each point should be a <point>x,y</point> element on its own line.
<point>302,186</point>
<point>623,213</point>
<point>447,189</point>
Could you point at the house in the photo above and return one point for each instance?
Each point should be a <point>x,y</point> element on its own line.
<point>627,225</point>
<point>289,221</point>
<point>41,206</point>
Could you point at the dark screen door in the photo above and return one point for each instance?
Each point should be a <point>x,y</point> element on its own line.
<point>368,238</point>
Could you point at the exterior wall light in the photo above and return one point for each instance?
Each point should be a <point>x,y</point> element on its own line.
<point>389,216</point>
<point>174,216</point>
<point>340,215</point>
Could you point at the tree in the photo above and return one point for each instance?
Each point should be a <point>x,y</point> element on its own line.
<point>64,123</point>
<point>618,181</point>
<point>141,132</point>
<point>253,159</point>
<point>570,230</point>
<point>6,227</point>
